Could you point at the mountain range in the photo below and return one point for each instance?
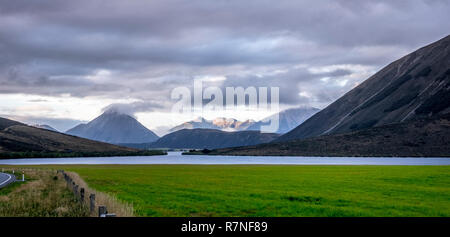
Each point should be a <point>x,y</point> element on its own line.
<point>224,124</point>
<point>114,127</point>
<point>225,132</point>
<point>117,128</point>
<point>288,119</point>
<point>402,110</point>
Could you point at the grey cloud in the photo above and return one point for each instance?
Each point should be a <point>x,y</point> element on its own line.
<point>149,47</point>
<point>290,83</point>
<point>133,108</point>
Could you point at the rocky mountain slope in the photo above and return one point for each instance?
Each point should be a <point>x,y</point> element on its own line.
<point>415,86</point>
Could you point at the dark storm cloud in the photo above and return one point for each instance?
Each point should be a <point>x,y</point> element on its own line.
<point>146,48</point>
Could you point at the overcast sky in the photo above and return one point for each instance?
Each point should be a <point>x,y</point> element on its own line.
<point>63,62</point>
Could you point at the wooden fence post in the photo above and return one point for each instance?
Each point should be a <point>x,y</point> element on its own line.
<point>92,202</point>
<point>102,211</point>
<point>82,195</point>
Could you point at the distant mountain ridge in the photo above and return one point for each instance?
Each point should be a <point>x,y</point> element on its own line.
<point>211,138</point>
<point>288,119</point>
<point>224,124</point>
<point>415,86</point>
<point>114,127</point>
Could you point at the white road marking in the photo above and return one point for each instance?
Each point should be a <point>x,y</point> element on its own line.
<point>6,180</point>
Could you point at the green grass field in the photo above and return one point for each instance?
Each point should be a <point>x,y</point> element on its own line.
<point>244,190</point>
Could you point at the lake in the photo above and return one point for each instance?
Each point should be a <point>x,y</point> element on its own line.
<point>177,158</point>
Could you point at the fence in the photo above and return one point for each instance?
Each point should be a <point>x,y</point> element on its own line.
<point>79,193</point>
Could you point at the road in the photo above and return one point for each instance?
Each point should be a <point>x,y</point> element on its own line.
<point>6,179</point>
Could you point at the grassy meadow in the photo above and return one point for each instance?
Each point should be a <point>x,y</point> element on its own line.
<point>264,190</point>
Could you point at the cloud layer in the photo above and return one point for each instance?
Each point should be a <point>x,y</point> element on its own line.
<point>140,50</point>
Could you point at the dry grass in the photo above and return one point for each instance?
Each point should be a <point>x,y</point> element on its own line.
<point>113,205</point>
<point>44,194</point>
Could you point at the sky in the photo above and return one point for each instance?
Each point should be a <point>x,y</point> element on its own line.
<point>65,62</point>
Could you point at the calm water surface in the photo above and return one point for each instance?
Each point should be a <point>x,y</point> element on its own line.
<point>177,158</point>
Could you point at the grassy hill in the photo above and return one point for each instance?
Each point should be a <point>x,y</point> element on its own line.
<point>211,138</point>
<point>18,140</point>
<point>4,123</point>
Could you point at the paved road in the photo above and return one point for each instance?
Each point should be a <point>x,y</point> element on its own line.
<point>6,179</point>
